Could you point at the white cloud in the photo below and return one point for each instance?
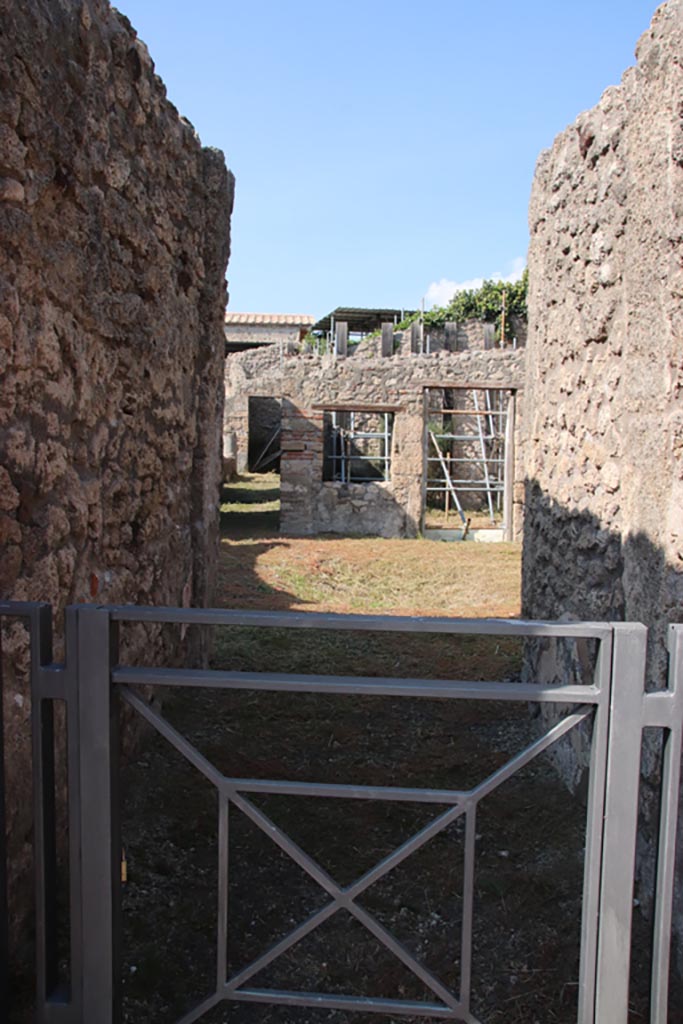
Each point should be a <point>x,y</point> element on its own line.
<point>441,292</point>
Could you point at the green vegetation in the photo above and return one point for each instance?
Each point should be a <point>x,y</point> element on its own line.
<point>314,343</point>
<point>485,303</point>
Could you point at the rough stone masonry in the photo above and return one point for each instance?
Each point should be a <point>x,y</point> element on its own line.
<point>603,534</point>
<point>114,239</point>
<point>308,383</point>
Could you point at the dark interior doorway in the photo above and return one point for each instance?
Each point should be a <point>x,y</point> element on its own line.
<point>265,427</point>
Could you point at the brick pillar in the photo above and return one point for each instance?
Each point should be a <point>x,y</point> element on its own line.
<point>300,468</point>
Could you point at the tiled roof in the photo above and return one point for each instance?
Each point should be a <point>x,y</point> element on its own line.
<point>269,319</point>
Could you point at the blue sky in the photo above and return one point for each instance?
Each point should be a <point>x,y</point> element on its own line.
<point>381,147</point>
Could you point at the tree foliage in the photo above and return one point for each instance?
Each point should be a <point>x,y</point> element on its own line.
<point>485,303</point>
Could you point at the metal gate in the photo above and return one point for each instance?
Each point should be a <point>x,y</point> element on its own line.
<point>92,683</point>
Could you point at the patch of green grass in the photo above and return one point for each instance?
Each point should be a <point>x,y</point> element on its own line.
<point>250,506</point>
<point>251,489</point>
<point>237,507</point>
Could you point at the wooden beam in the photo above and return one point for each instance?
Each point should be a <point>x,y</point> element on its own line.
<point>469,386</point>
<point>355,407</point>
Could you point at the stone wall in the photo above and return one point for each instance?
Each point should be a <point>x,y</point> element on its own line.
<point>308,382</point>
<point>262,334</point>
<point>604,385</point>
<point>114,238</point>
<point>471,335</point>
<point>468,336</point>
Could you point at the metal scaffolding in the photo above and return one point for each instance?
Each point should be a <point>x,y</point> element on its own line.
<point>468,451</point>
<point>357,446</point>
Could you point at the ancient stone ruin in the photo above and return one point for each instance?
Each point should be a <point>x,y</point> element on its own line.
<point>298,404</point>
<point>114,231</point>
<point>603,535</point>
<point>114,239</point>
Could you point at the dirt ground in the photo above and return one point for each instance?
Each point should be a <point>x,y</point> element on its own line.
<point>529,833</point>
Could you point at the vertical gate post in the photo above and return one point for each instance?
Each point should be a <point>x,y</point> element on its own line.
<point>666,859</point>
<point>590,915</point>
<point>99,825</point>
<point>44,808</point>
<point>621,823</point>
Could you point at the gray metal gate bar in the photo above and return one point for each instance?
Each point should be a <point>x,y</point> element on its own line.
<point>362,623</point>
<point>399,951</point>
<point>595,812</point>
<point>342,898</point>
<point>320,789</point>
<point>672,721</point>
<point>366,1005</point>
<point>70,689</point>
<point>222,925</point>
<point>201,1008</point>
<point>452,689</point>
<point>100,839</point>
<point>44,811</point>
<point>91,683</point>
<point>182,745</point>
<point>621,822</point>
<point>468,907</point>
<point>406,849</point>
<point>232,986</point>
<point>57,1002</point>
<point>593,701</point>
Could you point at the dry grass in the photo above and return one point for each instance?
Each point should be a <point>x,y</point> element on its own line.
<point>396,577</point>
<point>351,574</point>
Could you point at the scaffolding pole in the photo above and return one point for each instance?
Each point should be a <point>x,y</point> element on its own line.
<point>447,478</point>
<point>259,461</point>
<point>509,469</point>
<point>484,459</point>
<point>342,444</point>
<point>489,445</point>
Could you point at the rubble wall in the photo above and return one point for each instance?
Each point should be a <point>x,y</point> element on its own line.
<point>603,536</point>
<point>307,382</point>
<point>114,238</point>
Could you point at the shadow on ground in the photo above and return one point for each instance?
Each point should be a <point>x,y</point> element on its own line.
<point>250,506</point>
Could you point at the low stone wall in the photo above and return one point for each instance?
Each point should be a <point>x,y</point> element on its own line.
<point>603,534</point>
<point>114,238</point>
<point>306,383</point>
<point>472,335</point>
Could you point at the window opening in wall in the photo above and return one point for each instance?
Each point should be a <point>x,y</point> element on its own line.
<point>357,446</point>
<point>265,428</point>
<point>467,452</point>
